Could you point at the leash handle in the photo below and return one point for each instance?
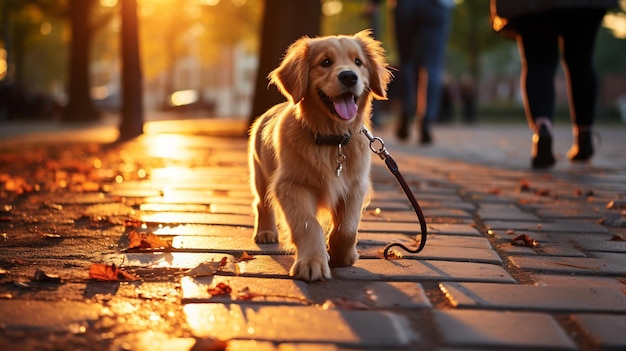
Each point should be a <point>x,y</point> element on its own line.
<point>377,145</point>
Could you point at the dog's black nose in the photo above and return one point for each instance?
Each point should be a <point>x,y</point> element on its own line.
<point>348,78</point>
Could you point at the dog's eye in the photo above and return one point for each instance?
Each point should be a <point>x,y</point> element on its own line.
<point>326,62</point>
<point>357,61</point>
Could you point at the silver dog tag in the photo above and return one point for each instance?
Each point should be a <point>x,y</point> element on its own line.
<point>338,170</point>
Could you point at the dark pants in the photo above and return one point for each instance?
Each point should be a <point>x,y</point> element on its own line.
<point>422,29</point>
<point>538,41</point>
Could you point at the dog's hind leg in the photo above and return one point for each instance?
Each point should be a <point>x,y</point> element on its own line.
<point>265,230</point>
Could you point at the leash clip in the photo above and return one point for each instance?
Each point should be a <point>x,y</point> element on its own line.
<point>381,151</point>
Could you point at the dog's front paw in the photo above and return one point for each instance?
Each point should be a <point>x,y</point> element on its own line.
<point>266,237</point>
<point>311,269</point>
<point>344,257</point>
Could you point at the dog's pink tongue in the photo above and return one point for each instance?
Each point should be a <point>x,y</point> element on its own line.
<point>345,106</point>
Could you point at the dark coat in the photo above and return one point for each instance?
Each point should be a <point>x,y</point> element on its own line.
<point>502,11</point>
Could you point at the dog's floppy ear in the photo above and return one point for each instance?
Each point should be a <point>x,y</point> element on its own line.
<point>380,76</point>
<point>292,76</point>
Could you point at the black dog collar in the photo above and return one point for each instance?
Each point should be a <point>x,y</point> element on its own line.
<point>342,139</point>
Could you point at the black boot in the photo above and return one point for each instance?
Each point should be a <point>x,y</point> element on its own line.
<point>402,130</point>
<point>582,148</point>
<point>542,156</point>
<point>426,137</point>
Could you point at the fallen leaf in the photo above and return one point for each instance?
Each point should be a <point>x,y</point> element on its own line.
<point>220,289</point>
<point>616,204</point>
<point>524,240</point>
<point>21,284</point>
<point>393,255</point>
<point>206,269</point>
<point>524,185</point>
<point>494,191</point>
<point>51,236</point>
<point>6,296</point>
<point>105,272</point>
<point>542,192</point>
<point>245,257</point>
<point>42,276</point>
<point>617,237</point>
<point>3,271</point>
<point>144,241</point>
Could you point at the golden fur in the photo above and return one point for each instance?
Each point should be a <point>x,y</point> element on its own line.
<point>292,177</point>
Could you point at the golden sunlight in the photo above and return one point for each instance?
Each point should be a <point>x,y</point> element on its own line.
<point>167,146</point>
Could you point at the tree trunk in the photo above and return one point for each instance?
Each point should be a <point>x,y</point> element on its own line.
<point>132,93</point>
<point>283,23</point>
<point>79,106</point>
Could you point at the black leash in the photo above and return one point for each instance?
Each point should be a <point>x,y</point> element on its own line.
<point>393,168</point>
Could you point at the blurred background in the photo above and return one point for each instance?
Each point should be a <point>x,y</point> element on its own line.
<point>64,59</point>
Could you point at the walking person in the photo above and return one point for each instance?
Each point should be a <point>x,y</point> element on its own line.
<point>421,30</point>
<point>538,26</point>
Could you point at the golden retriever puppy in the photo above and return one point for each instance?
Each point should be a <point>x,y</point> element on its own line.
<point>308,156</point>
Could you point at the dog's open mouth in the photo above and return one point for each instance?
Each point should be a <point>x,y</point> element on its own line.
<point>343,105</point>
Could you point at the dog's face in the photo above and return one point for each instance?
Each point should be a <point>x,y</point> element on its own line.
<point>336,74</point>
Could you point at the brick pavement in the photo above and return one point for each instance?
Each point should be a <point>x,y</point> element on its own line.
<point>469,289</point>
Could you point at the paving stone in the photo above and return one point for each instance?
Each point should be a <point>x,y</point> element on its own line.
<point>247,345</point>
<point>198,218</point>
<point>203,230</point>
<point>594,242</point>
<point>266,266</point>
<point>577,280</point>
<point>413,227</point>
<point>570,226</point>
<point>266,290</point>
<point>417,270</point>
<point>60,316</point>
<point>152,341</point>
<point>227,244</point>
<point>606,331</point>
<point>613,256</point>
<point>577,265</point>
<point>442,240</point>
<point>531,297</point>
<point>500,330</point>
<point>197,198</point>
<point>552,249</point>
<point>397,295</point>
<point>508,249</point>
<point>432,252</point>
<point>181,260</point>
<point>297,324</point>
<point>505,212</point>
<point>378,215</point>
<point>240,209</point>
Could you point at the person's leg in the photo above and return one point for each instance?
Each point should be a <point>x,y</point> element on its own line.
<point>578,29</point>
<point>433,40</point>
<point>539,53</point>
<point>406,28</point>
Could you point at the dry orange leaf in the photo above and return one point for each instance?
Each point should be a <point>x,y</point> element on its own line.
<point>245,257</point>
<point>220,289</point>
<point>146,241</point>
<point>206,269</point>
<point>110,273</point>
<point>524,240</point>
